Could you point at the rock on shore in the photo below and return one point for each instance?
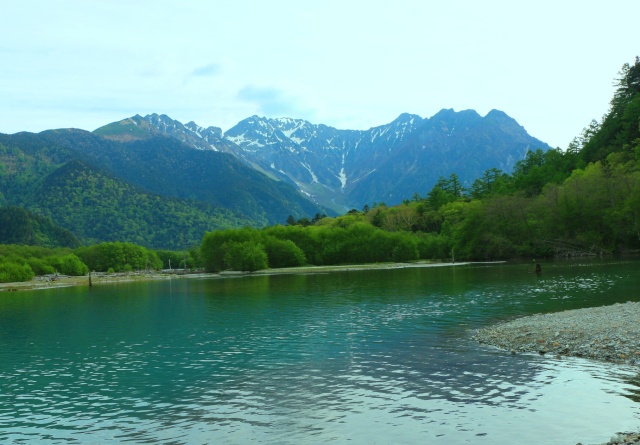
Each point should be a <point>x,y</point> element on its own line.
<point>608,333</point>
<point>622,439</point>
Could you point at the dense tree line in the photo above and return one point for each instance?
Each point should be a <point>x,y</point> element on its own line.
<point>248,249</point>
<point>22,263</point>
<point>119,257</point>
<point>344,240</point>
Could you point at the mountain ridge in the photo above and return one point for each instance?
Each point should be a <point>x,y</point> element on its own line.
<point>341,169</point>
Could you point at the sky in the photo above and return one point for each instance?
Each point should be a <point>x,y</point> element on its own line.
<point>350,64</point>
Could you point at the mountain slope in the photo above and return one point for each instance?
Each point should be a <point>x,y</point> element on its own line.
<point>99,207</point>
<point>164,165</point>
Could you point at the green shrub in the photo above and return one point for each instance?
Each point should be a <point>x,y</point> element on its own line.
<point>40,267</point>
<point>405,250</point>
<point>246,256</point>
<point>215,246</point>
<point>283,253</point>
<point>13,273</point>
<point>72,265</point>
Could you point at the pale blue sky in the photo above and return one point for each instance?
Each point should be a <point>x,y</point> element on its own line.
<point>350,64</point>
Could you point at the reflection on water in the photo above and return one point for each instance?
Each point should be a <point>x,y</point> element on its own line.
<point>364,357</point>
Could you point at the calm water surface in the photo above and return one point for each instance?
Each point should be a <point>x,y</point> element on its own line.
<point>361,357</point>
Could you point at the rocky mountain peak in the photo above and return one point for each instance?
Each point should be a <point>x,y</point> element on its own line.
<point>348,168</point>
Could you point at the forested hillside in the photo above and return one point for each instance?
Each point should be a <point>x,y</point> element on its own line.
<point>97,207</point>
<point>165,166</point>
<point>19,226</point>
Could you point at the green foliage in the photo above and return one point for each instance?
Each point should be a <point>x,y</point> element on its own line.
<point>283,253</point>
<point>121,257</point>
<point>620,128</point>
<point>19,226</point>
<point>345,240</point>
<point>405,250</point>
<point>72,265</point>
<point>445,191</point>
<point>40,261</point>
<point>540,168</point>
<point>99,207</point>
<point>40,267</point>
<point>11,272</point>
<point>215,246</point>
<point>493,181</point>
<point>178,260</point>
<point>245,256</point>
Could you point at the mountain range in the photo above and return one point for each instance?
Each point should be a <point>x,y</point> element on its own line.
<point>343,169</point>
<point>160,183</point>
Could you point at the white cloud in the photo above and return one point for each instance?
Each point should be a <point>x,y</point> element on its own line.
<point>210,70</point>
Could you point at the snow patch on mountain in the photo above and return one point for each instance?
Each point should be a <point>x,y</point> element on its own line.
<point>314,178</point>
<point>343,178</point>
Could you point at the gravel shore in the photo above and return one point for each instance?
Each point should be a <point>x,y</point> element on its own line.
<point>607,333</point>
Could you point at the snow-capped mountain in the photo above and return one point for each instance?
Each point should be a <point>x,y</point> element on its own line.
<point>322,161</point>
<point>341,169</point>
<point>350,168</point>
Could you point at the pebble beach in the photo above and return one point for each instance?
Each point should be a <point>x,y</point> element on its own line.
<point>607,333</point>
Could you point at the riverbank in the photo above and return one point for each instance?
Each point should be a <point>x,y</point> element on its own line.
<point>55,281</point>
<point>607,333</point>
<point>49,282</point>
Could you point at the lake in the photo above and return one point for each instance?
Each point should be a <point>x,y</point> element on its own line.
<point>359,357</point>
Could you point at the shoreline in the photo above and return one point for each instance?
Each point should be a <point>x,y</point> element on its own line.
<point>605,333</point>
<point>99,278</point>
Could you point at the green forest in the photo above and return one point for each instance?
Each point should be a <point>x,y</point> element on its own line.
<point>584,200</point>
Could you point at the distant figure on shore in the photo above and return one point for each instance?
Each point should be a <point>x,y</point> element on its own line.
<point>538,268</point>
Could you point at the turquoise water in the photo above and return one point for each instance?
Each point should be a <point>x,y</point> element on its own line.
<point>360,357</point>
